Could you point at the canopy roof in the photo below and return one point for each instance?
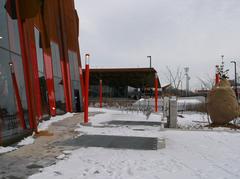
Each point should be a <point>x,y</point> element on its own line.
<point>134,77</point>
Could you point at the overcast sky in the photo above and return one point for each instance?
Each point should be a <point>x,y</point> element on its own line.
<point>176,33</point>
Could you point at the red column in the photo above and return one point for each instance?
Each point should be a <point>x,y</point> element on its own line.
<point>156,93</point>
<point>100,93</point>
<point>86,88</point>
<point>217,77</point>
<point>25,62</point>
<point>50,83</point>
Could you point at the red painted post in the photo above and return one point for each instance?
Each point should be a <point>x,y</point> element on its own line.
<point>100,93</point>
<point>86,88</point>
<point>32,120</point>
<point>156,93</point>
<point>217,77</point>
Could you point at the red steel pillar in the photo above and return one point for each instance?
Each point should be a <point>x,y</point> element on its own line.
<point>156,92</point>
<point>32,120</point>
<point>86,88</point>
<point>217,77</point>
<point>100,93</point>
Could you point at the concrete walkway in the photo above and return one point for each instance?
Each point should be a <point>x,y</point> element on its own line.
<point>27,160</point>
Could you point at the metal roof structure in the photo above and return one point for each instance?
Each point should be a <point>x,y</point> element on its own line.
<point>134,77</point>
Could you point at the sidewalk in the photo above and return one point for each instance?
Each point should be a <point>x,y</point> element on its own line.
<point>28,159</point>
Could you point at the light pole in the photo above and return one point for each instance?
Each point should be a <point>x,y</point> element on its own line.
<point>187,80</point>
<point>156,92</point>
<point>100,93</point>
<point>235,74</point>
<point>87,56</point>
<point>150,58</point>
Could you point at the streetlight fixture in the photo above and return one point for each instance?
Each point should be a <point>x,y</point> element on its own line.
<point>87,56</point>
<point>235,74</point>
<point>150,58</point>
<point>1,37</point>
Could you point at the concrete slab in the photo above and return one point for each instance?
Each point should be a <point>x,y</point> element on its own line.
<point>118,142</point>
<point>134,123</point>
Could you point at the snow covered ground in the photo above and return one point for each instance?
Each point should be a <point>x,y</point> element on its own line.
<point>188,154</point>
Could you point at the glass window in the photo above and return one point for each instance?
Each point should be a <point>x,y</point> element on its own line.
<point>9,122</point>
<point>41,74</point>
<point>8,110</point>
<point>14,41</point>
<point>39,51</point>
<point>75,82</point>
<point>58,81</point>
<point>18,69</point>
<point>3,26</point>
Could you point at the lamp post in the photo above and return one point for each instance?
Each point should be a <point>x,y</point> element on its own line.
<point>235,80</point>
<point>150,58</point>
<point>100,93</point>
<point>156,92</point>
<point>87,56</point>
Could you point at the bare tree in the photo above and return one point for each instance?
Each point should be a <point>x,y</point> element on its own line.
<point>175,77</point>
<point>207,82</point>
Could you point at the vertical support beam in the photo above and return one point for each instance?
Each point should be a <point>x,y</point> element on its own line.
<point>64,58</point>
<point>86,88</point>
<point>156,92</point>
<point>36,81</point>
<point>217,77</point>
<point>50,82</point>
<point>100,93</point>
<point>32,119</point>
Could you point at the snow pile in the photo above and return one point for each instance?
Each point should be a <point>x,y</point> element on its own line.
<point>6,149</point>
<point>26,141</point>
<point>45,124</point>
<point>188,154</point>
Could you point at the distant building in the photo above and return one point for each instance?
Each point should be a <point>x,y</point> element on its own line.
<point>123,82</point>
<point>40,64</point>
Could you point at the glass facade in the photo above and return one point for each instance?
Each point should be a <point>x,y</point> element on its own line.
<point>10,54</point>
<point>41,75</point>
<point>75,82</point>
<point>58,80</point>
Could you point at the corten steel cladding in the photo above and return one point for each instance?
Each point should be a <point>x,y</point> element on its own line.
<point>222,103</point>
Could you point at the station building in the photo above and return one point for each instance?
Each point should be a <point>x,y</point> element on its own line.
<point>40,65</point>
<point>122,82</point>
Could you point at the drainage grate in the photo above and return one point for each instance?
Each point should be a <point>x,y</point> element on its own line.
<point>119,142</point>
<point>135,123</point>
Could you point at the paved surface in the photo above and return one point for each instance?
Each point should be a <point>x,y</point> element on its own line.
<point>27,160</point>
<point>135,123</point>
<point>108,141</point>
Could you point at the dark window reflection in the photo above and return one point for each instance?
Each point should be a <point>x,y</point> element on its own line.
<point>9,42</point>
<point>14,42</point>
<point>75,82</point>
<point>8,110</point>
<point>18,69</point>
<point>41,72</point>
<point>3,26</point>
<point>58,81</point>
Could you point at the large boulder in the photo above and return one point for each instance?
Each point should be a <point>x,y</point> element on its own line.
<point>222,104</point>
